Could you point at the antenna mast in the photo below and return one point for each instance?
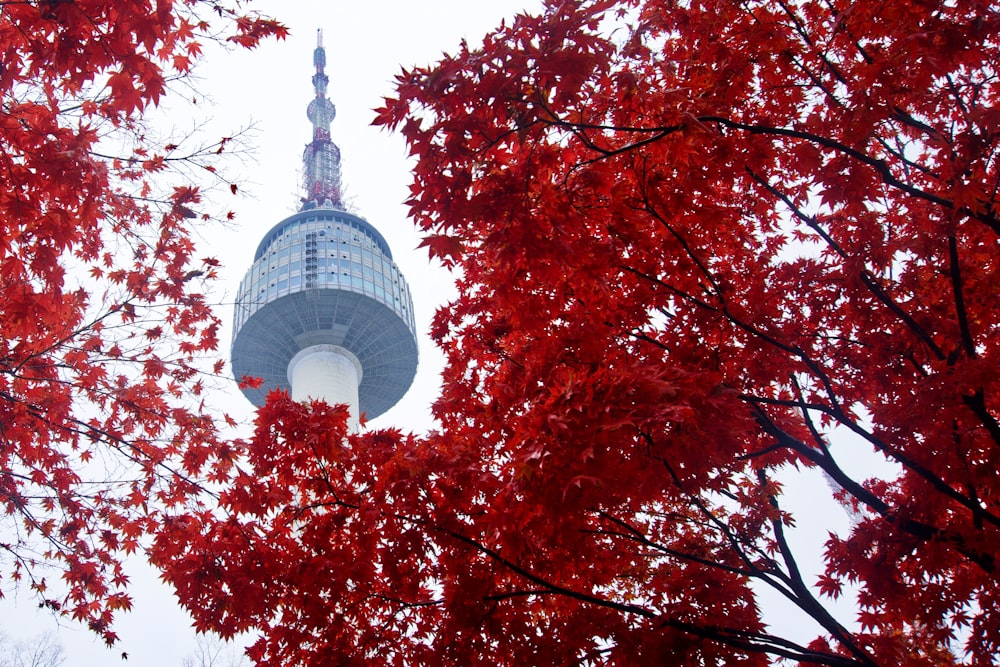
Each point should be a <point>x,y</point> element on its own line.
<point>321,159</point>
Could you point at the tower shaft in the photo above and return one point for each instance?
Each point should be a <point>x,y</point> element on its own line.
<point>329,373</point>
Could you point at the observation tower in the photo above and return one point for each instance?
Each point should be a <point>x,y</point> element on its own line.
<point>324,311</point>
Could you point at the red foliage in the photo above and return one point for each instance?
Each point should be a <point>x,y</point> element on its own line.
<point>693,239</point>
<point>102,325</point>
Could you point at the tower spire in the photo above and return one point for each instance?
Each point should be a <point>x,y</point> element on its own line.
<point>321,159</point>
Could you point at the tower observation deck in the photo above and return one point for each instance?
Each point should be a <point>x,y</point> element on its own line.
<point>324,311</point>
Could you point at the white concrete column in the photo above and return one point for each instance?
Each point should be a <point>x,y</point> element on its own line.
<point>329,373</point>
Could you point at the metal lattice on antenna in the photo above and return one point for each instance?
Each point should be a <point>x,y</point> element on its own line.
<point>324,311</point>
<point>321,159</point>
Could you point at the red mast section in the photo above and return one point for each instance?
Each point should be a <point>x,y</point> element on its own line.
<point>321,159</point>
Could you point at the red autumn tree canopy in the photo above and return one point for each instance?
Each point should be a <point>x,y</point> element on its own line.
<point>102,311</point>
<point>696,243</point>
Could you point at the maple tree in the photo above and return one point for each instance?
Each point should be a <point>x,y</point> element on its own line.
<point>695,243</point>
<point>103,315</point>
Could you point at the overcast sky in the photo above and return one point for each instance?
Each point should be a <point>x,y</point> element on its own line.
<point>366,43</point>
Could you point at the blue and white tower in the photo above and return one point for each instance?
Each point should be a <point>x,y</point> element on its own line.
<point>324,311</point>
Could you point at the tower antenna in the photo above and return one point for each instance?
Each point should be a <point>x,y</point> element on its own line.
<point>321,158</point>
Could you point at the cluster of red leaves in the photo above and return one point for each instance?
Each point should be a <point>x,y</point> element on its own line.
<point>301,543</point>
<point>103,324</point>
<point>692,239</point>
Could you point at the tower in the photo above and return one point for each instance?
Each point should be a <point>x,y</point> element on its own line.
<point>323,310</point>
